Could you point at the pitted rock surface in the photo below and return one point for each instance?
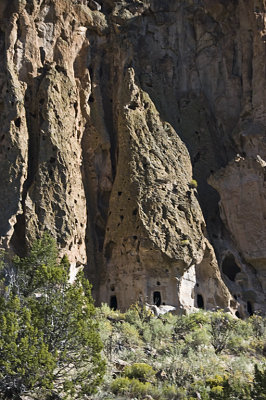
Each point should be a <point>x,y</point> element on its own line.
<point>110,111</point>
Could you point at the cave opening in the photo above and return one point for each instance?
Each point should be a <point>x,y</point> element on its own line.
<point>249,308</point>
<point>157,300</point>
<point>113,303</point>
<point>229,267</point>
<point>200,301</point>
<point>18,122</point>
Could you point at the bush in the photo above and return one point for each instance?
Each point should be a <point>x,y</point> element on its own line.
<point>221,329</point>
<point>259,386</point>
<point>141,371</point>
<point>189,323</point>
<point>193,184</point>
<point>258,324</point>
<point>132,387</point>
<point>170,392</point>
<point>121,385</point>
<point>223,388</point>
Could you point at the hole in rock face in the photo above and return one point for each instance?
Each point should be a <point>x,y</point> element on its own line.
<point>18,122</point>
<point>113,303</point>
<point>133,105</point>
<point>237,314</point>
<point>91,99</point>
<point>249,308</point>
<point>200,301</point>
<point>157,300</point>
<point>42,55</point>
<point>230,268</point>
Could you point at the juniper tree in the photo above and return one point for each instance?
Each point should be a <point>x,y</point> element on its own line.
<point>49,341</point>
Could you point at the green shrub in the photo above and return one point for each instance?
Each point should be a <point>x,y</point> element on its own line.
<point>186,324</point>
<point>222,326</point>
<point>139,389</point>
<point>258,324</point>
<point>140,371</point>
<point>259,386</point>
<point>193,184</point>
<point>197,338</point>
<point>121,385</point>
<point>223,388</point>
<point>133,387</point>
<point>130,334</point>
<point>170,392</point>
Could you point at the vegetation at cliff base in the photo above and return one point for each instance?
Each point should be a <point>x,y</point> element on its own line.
<point>54,344</point>
<point>204,355</point>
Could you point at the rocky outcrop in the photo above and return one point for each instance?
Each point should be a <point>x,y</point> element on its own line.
<point>133,131</point>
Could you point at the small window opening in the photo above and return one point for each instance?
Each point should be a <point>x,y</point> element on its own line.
<point>113,303</point>
<point>249,308</point>
<point>200,301</point>
<point>42,55</point>
<point>158,283</point>
<point>157,300</point>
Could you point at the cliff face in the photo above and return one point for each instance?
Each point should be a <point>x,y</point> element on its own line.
<point>109,110</point>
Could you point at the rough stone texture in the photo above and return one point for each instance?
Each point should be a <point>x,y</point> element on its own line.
<point>109,110</point>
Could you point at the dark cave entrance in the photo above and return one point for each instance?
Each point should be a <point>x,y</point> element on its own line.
<point>249,308</point>
<point>229,267</point>
<point>200,301</point>
<point>113,303</point>
<point>157,300</point>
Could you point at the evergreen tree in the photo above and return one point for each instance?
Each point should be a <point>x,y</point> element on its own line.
<point>259,386</point>
<point>49,341</point>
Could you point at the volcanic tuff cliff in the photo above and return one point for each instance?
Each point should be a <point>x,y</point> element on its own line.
<point>109,112</point>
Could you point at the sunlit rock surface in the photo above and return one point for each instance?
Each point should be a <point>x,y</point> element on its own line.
<point>110,110</point>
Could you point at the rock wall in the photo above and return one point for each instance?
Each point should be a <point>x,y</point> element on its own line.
<point>110,111</point>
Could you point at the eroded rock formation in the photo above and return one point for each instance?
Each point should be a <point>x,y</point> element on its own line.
<point>110,110</point>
